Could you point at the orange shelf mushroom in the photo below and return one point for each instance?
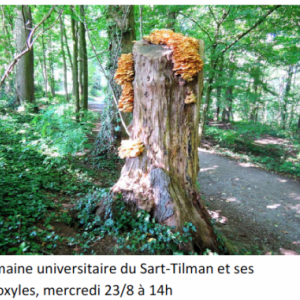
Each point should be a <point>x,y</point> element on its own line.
<point>186,58</point>
<point>125,71</point>
<point>131,148</point>
<point>126,100</point>
<point>190,98</point>
<point>124,76</point>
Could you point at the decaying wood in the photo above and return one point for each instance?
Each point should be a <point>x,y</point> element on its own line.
<point>162,180</point>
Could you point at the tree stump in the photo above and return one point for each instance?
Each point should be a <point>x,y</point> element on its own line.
<point>162,180</point>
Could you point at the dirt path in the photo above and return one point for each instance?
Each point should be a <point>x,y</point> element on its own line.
<point>255,210</point>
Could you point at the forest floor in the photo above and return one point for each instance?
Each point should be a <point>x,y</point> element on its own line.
<point>256,211</point>
<point>107,245</point>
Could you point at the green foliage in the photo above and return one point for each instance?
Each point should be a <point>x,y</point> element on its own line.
<point>28,179</point>
<point>60,135</point>
<point>241,139</point>
<point>134,231</point>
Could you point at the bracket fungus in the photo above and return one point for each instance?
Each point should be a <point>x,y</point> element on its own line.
<point>126,100</point>
<point>190,98</point>
<point>186,58</point>
<point>124,76</point>
<point>131,148</point>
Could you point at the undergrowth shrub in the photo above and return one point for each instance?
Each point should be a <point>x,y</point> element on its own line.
<point>242,139</point>
<point>28,178</point>
<point>134,231</point>
<point>59,134</point>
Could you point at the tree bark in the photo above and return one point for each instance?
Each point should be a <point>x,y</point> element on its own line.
<point>219,88</point>
<point>45,74</point>
<point>227,112</point>
<point>67,47</point>
<point>8,44</point>
<point>51,64</point>
<point>211,76</point>
<point>286,96</point>
<point>84,62</point>
<point>123,17</point>
<point>127,27</point>
<point>162,180</point>
<point>80,63</point>
<point>65,70</point>
<point>75,67</point>
<point>128,36</point>
<point>25,66</point>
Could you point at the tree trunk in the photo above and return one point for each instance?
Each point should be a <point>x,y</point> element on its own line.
<point>254,114</point>
<point>65,70</point>
<point>206,105</point>
<point>67,47</point>
<point>227,112</point>
<point>45,74</point>
<point>162,180</point>
<point>217,113</point>
<point>75,67</point>
<point>286,96</point>
<point>51,64</point>
<point>120,20</point>
<point>84,62</point>
<point>128,36</point>
<point>80,64</point>
<point>219,87</point>
<point>123,17</point>
<point>9,47</point>
<point>25,66</point>
<point>225,115</point>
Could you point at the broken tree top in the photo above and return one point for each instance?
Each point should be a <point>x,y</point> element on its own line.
<point>186,58</point>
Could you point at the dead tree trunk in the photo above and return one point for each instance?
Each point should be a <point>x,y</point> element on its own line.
<point>162,180</point>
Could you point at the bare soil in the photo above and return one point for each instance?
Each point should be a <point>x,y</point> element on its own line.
<point>257,212</point>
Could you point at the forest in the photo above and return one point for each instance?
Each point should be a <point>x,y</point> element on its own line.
<point>149,129</point>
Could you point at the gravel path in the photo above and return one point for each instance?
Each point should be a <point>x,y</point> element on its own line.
<point>255,210</point>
